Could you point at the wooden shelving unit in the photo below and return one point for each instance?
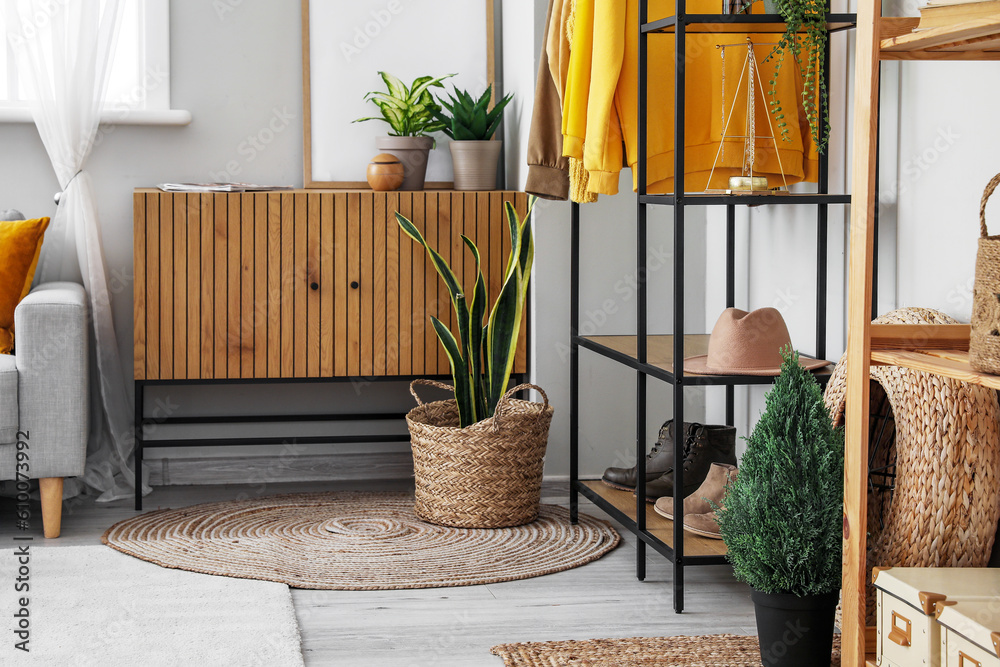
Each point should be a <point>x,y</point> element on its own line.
<point>972,40</point>
<point>940,349</point>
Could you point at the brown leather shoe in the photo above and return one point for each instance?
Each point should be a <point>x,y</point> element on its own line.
<point>659,460</point>
<point>705,446</point>
<point>712,489</point>
<point>702,524</point>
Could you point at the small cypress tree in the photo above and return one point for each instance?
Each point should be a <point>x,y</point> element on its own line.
<point>782,519</point>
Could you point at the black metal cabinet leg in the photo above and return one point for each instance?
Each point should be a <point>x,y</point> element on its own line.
<point>678,585</point>
<point>139,391</point>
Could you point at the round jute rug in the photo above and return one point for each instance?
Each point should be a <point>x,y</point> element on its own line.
<point>355,541</point>
<point>698,651</point>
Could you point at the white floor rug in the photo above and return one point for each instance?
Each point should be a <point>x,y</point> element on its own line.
<point>95,606</point>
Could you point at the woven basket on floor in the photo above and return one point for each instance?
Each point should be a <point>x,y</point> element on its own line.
<point>984,343</point>
<point>487,475</point>
<point>946,502</point>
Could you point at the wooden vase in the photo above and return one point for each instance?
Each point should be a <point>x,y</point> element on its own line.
<point>385,172</point>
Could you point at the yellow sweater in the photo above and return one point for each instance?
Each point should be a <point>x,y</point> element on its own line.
<point>600,105</point>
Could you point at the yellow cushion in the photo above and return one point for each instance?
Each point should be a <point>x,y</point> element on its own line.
<point>20,246</point>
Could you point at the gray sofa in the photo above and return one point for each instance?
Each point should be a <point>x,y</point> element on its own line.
<point>44,394</point>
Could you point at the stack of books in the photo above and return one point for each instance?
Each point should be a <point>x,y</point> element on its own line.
<point>943,13</point>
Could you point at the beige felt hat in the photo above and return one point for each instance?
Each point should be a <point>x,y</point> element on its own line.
<point>745,343</point>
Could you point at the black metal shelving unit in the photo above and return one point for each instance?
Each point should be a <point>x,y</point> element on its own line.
<point>668,538</point>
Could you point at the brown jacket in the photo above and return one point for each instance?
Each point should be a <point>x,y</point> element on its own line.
<point>548,169</point>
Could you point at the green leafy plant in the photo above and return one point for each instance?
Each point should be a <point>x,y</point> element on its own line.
<point>806,38</point>
<point>483,355</point>
<point>409,111</point>
<point>471,119</point>
<point>782,519</point>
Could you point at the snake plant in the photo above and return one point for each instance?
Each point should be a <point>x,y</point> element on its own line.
<point>409,111</point>
<point>469,119</point>
<point>482,356</point>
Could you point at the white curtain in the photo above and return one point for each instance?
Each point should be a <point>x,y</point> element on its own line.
<point>63,51</point>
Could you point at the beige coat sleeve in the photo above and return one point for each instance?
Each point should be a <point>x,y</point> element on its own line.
<point>548,170</point>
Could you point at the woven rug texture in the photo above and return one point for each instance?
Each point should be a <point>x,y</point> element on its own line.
<point>355,541</point>
<point>697,651</point>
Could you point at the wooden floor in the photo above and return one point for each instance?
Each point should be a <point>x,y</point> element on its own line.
<point>457,626</point>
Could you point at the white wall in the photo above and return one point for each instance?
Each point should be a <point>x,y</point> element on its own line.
<point>948,134</point>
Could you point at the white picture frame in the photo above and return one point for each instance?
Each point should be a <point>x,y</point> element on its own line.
<point>345,43</point>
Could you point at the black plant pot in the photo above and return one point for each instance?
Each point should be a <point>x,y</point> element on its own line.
<point>795,631</point>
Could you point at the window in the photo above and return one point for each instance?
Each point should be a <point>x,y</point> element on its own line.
<point>139,81</point>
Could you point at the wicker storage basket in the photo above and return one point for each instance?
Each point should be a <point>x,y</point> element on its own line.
<point>984,343</point>
<point>487,475</point>
<point>945,452</point>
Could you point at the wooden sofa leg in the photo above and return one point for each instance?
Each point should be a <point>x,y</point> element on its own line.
<point>51,489</point>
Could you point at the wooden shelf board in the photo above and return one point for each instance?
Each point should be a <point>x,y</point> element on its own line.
<point>920,336</point>
<point>660,349</point>
<point>660,527</point>
<point>947,363</point>
<point>970,40</point>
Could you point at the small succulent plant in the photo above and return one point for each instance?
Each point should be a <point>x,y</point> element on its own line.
<point>468,119</point>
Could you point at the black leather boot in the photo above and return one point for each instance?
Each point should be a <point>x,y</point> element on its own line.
<point>704,446</point>
<point>659,460</point>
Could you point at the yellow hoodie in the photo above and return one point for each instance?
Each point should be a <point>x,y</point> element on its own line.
<point>600,105</point>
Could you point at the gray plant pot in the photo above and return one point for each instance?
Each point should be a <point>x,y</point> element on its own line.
<point>475,164</point>
<point>412,152</point>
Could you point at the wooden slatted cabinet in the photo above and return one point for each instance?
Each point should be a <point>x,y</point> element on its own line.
<point>304,284</point>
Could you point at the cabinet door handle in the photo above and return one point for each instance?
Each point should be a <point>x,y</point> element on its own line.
<point>899,635</point>
<point>354,284</point>
<point>314,286</point>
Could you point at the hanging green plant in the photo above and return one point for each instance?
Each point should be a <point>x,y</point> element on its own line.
<point>806,37</point>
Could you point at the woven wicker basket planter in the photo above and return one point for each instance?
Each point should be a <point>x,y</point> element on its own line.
<point>487,475</point>
<point>984,341</point>
<point>944,508</point>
